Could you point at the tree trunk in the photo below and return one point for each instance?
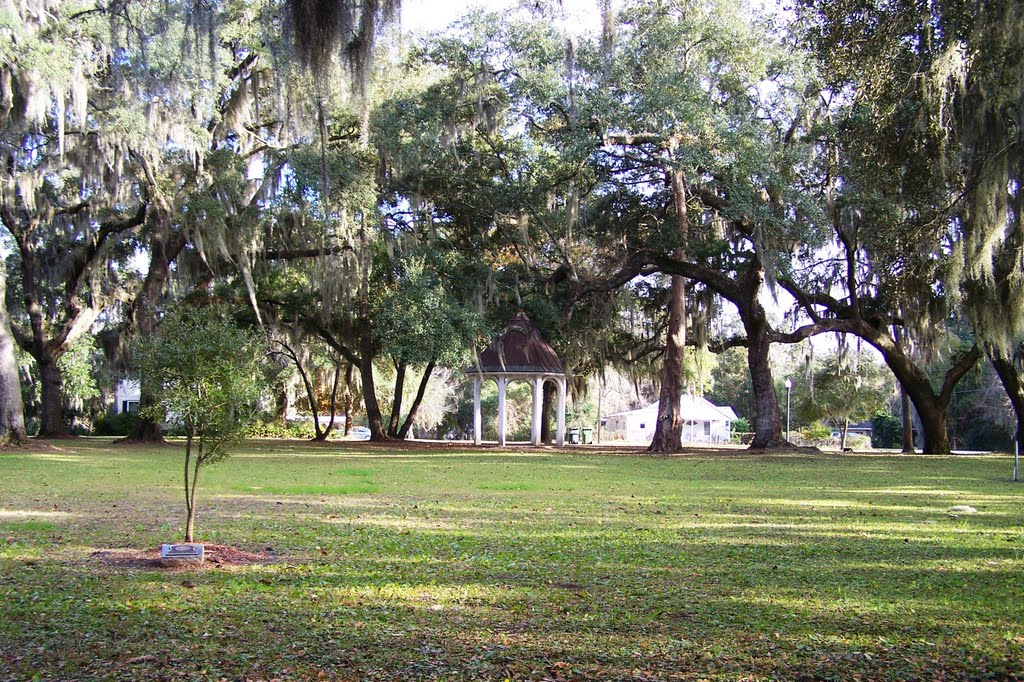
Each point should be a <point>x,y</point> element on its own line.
<point>905,409</point>
<point>373,416</point>
<point>333,401</point>
<point>931,407</point>
<point>52,411</point>
<point>1012,382</point>
<point>767,415</point>
<point>908,422</point>
<point>843,432</point>
<point>547,399</point>
<point>347,401</point>
<point>668,429</point>
<point>396,403</point>
<point>320,434</point>
<point>366,346</point>
<point>189,515</point>
<point>403,432</point>
<point>282,403</point>
<point>12,408</point>
<point>191,522</point>
<point>146,429</point>
<point>933,424</point>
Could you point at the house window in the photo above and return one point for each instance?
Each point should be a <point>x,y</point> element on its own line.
<point>643,426</point>
<point>131,406</point>
<point>707,428</point>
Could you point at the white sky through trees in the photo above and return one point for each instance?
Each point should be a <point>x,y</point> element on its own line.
<point>430,15</point>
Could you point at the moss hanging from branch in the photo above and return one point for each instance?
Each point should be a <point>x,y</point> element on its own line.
<point>323,29</point>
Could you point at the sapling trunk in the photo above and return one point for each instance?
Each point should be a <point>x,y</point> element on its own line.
<point>189,516</point>
<point>191,521</point>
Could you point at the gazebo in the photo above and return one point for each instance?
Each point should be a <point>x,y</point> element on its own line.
<point>520,353</point>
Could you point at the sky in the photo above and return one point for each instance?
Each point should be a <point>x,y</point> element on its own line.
<point>582,15</point>
<point>431,15</point>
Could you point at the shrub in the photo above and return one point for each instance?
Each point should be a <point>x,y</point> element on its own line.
<point>886,431</point>
<point>741,425</point>
<point>278,429</point>
<point>858,441</point>
<point>816,433</point>
<point>115,424</point>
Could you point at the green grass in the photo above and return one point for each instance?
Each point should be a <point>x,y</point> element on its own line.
<point>456,564</point>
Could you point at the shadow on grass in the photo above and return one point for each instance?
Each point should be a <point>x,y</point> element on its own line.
<point>658,568</point>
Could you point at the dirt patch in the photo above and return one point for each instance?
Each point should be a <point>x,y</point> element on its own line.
<point>216,556</point>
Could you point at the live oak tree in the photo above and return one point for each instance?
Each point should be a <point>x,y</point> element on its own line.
<point>932,172</point>
<point>84,163</point>
<point>207,374</point>
<point>847,387</point>
<point>704,130</point>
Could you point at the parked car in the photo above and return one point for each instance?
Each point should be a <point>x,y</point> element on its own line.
<point>359,433</point>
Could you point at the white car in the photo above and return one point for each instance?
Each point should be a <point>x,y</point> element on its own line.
<point>359,433</point>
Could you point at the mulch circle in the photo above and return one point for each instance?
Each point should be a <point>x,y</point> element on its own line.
<point>215,556</point>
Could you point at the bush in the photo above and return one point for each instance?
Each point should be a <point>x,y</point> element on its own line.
<point>816,433</point>
<point>985,435</point>
<point>886,431</point>
<point>278,429</point>
<point>741,425</point>
<point>115,424</point>
<point>858,441</point>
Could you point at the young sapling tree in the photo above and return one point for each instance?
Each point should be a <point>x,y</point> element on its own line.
<point>207,373</point>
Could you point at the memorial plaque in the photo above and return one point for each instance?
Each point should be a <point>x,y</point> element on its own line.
<point>185,553</point>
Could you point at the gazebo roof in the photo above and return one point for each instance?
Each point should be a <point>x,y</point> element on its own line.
<point>520,349</point>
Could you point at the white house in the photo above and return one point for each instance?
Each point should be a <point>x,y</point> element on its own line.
<point>703,422</point>
<point>126,396</point>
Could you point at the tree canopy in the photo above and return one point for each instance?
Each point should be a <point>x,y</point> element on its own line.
<point>385,203</point>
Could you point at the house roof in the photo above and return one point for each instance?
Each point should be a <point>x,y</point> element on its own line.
<point>691,408</point>
<point>520,349</point>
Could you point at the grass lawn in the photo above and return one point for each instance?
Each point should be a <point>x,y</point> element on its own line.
<point>455,564</point>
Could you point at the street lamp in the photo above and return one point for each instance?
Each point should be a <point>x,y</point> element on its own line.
<point>789,391</point>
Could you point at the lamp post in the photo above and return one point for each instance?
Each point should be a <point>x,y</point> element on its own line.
<point>789,391</point>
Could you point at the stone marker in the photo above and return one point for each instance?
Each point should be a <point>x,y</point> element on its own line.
<point>180,555</point>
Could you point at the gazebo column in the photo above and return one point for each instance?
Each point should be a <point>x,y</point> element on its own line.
<point>538,410</point>
<point>502,385</point>
<point>477,417</point>
<point>560,433</point>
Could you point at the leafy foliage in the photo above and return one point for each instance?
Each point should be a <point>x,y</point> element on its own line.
<point>76,366</point>
<point>207,373</point>
<point>845,389</point>
<point>120,424</point>
<point>886,431</point>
